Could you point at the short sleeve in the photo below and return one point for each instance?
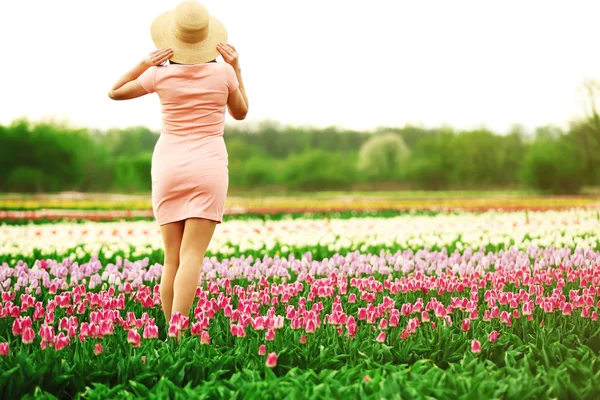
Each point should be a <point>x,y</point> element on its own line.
<point>147,79</point>
<point>232,80</point>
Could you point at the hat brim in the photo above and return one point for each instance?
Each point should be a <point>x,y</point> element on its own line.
<point>163,36</point>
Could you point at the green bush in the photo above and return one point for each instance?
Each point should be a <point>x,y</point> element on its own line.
<point>555,167</point>
<point>432,162</point>
<point>25,179</point>
<point>384,157</point>
<point>318,170</point>
<point>133,173</point>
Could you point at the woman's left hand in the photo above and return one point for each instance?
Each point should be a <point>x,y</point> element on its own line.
<point>157,57</point>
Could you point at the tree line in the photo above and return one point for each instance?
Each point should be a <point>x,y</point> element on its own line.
<point>48,157</point>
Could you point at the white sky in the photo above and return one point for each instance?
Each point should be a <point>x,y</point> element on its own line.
<point>354,64</point>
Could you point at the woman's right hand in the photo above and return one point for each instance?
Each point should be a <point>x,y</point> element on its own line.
<point>229,54</point>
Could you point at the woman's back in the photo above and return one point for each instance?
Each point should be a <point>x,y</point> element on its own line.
<point>193,97</point>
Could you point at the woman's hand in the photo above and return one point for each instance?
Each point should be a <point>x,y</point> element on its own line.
<point>229,54</point>
<point>157,57</point>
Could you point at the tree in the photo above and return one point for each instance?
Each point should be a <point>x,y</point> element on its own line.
<point>384,157</point>
<point>554,166</point>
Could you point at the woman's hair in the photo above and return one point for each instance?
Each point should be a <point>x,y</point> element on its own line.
<point>172,62</point>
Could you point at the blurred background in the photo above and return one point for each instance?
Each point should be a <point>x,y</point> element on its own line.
<point>386,99</point>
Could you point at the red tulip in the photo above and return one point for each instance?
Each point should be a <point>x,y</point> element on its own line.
<point>98,348</point>
<point>4,349</point>
<point>271,360</point>
<point>303,339</point>
<point>475,346</point>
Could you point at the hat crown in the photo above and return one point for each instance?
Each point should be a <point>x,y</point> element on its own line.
<point>191,20</point>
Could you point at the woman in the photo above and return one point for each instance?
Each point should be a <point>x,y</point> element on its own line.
<point>190,161</point>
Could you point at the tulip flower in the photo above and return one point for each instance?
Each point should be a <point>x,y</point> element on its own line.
<point>134,338</point>
<point>381,337</point>
<point>271,360</point>
<point>4,349</point>
<point>262,350</point>
<point>493,336</point>
<point>204,338</point>
<point>28,335</point>
<point>475,346</point>
<point>98,348</point>
<point>466,324</point>
<point>270,335</point>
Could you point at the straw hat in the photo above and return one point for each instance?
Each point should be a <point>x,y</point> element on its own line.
<point>190,31</point>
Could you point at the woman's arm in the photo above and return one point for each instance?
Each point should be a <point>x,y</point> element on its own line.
<point>237,103</point>
<point>127,87</point>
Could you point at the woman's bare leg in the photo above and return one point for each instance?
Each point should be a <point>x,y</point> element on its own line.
<point>172,234</point>
<point>196,236</point>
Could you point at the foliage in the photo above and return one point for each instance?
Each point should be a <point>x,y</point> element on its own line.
<point>46,157</point>
<point>555,166</point>
<point>384,157</point>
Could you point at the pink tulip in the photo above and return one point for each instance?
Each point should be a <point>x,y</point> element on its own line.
<point>466,324</point>
<point>567,309</point>
<point>594,316</point>
<point>98,348</point>
<point>405,334</point>
<point>134,338</point>
<point>4,348</point>
<point>381,337</point>
<point>17,327</point>
<point>271,360</point>
<point>262,350</point>
<point>28,335</point>
<point>150,331</point>
<point>173,331</point>
<point>475,346</point>
<point>270,335</point>
<point>352,298</point>
<point>303,339</point>
<point>383,324</point>
<point>61,341</point>
<point>366,379</point>
<point>494,335</point>
<point>204,338</point>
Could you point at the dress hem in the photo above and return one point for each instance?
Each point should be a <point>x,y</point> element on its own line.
<point>208,216</point>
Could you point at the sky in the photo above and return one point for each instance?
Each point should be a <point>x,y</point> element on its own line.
<point>354,64</point>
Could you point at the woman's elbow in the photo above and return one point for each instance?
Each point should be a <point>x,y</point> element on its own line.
<point>113,95</point>
<point>240,115</point>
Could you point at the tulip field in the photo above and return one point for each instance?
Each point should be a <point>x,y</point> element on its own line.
<point>437,304</point>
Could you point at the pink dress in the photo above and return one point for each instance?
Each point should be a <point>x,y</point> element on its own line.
<point>190,175</point>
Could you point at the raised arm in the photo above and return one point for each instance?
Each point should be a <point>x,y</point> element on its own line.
<point>237,103</point>
<point>127,87</point>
